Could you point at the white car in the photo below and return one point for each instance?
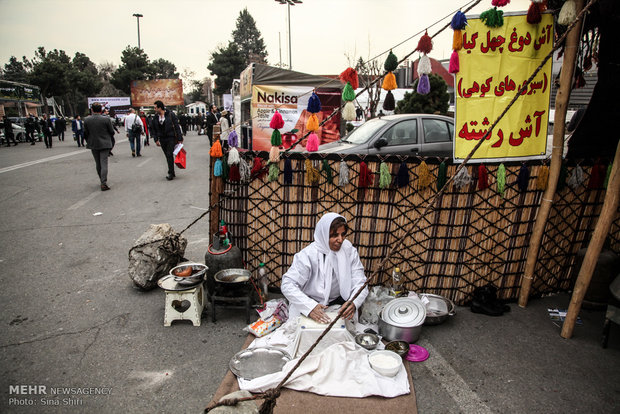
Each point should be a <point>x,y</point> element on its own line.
<point>19,133</point>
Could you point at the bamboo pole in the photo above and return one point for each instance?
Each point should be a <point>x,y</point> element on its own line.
<point>561,103</point>
<point>608,213</point>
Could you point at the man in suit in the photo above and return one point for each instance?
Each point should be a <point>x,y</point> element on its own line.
<point>211,120</point>
<point>166,133</point>
<point>99,133</point>
<point>47,128</point>
<point>61,127</point>
<point>78,129</point>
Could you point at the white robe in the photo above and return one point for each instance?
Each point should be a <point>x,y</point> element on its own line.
<point>308,282</point>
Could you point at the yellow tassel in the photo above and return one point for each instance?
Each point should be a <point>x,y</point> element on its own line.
<point>312,174</point>
<point>543,178</point>
<point>389,82</point>
<point>424,176</point>
<point>457,40</point>
<point>313,123</point>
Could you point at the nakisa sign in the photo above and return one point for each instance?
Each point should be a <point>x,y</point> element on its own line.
<point>275,97</point>
<point>494,65</point>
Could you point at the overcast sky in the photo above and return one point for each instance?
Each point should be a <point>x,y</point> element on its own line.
<point>326,35</point>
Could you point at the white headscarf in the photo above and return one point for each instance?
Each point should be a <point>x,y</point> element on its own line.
<point>331,261</point>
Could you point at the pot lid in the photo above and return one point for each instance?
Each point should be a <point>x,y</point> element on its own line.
<point>404,312</point>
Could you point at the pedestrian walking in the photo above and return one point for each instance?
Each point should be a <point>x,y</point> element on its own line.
<point>8,131</point>
<point>166,133</point>
<point>77,126</point>
<point>30,128</point>
<point>133,129</point>
<point>47,127</point>
<point>145,123</point>
<point>60,127</point>
<point>225,126</point>
<point>99,132</point>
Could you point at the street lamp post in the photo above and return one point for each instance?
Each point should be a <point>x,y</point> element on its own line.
<point>137,16</point>
<point>289,3</point>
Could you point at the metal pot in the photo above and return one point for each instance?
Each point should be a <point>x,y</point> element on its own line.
<point>438,309</point>
<point>401,319</point>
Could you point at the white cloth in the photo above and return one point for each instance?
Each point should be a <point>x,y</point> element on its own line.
<point>130,120</point>
<point>225,128</point>
<point>309,279</point>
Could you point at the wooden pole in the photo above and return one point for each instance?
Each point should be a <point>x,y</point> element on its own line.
<point>606,218</point>
<point>561,104</point>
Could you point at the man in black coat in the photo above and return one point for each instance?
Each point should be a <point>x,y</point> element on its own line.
<point>99,132</point>
<point>61,127</point>
<point>166,133</point>
<point>211,120</point>
<point>30,128</point>
<point>47,127</point>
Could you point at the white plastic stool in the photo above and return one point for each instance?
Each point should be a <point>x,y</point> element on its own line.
<point>174,299</point>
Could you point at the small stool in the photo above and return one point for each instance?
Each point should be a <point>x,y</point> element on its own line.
<point>191,310</point>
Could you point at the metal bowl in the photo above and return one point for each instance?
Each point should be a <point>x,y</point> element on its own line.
<point>400,347</point>
<point>233,276</point>
<point>367,340</point>
<point>198,272</point>
<point>438,309</point>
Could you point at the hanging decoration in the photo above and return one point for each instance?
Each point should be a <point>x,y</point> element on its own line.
<point>225,167</point>
<point>499,3</point>
<point>568,13</point>
<point>492,17</point>
<point>274,171</point>
<point>501,180</point>
<point>425,45</point>
<point>462,178</point>
<point>314,106</point>
<point>328,171</point>
<point>288,171</point>
<point>313,142</point>
<point>458,23</point>
<point>534,15</point>
<point>365,175</point>
<point>389,81</point>
<point>576,178</point>
<point>402,177</point>
<point>562,178</point>
<point>233,139</point>
<point>385,177</point>
<point>483,177</point>
<point>257,168</point>
<point>441,175</point>
<point>216,149</point>
<point>312,174</point>
<point>350,75</point>
<point>276,124</point>
<point>607,175</point>
<point>343,175</point>
<point>233,173</point>
<point>424,176</point>
<point>597,176</point>
<point>523,177</point>
<point>543,178</point>
<point>245,172</point>
<point>233,156</point>
<point>348,95</point>
<point>217,168</point>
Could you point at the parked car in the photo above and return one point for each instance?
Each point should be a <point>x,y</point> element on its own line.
<point>19,133</point>
<point>407,134</point>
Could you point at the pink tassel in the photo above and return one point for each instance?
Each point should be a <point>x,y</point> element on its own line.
<point>313,143</point>
<point>454,62</point>
<point>500,3</point>
<point>276,121</point>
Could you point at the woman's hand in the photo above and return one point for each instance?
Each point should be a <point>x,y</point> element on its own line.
<point>318,314</point>
<point>347,310</point>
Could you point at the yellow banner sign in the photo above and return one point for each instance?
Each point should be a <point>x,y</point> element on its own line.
<point>494,65</point>
<point>146,92</point>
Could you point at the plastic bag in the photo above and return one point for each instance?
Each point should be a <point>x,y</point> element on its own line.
<point>378,296</point>
<point>272,315</point>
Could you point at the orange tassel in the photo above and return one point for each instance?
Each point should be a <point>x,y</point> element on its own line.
<point>457,40</point>
<point>389,82</point>
<point>216,149</point>
<point>313,123</point>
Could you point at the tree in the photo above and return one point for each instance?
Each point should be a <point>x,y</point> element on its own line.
<point>163,69</point>
<point>249,40</point>
<point>50,73</point>
<point>226,64</point>
<point>436,101</point>
<point>15,70</point>
<point>135,66</point>
<point>84,81</point>
<point>368,72</point>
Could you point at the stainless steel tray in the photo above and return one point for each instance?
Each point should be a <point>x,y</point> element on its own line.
<point>168,283</point>
<point>255,362</point>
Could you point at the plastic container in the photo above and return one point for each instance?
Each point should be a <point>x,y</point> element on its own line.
<point>396,288</point>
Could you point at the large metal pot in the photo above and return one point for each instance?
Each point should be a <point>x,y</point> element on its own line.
<point>401,319</point>
<point>438,308</point>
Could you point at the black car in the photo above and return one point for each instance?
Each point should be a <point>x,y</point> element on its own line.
<point>407,134</point>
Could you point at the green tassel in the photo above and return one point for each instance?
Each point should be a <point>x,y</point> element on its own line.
<point>391,63</point>
<point>276,138</point>
<point>562,178</point>
<point>501,179</point>
<point>328,171</point>
<point>274,171</point>
<point>492,17</point>
<point>607,176</point>
<point>348,93</point>
<point>225,167</point>
<point>385,177</point>
<point>441,176</point>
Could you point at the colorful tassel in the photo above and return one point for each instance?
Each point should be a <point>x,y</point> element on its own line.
<point>462,178</point>
<point>459,21</point>
<point>245,172</point>
<point>217,168</point>
<point>276,138</point>
<point>562,178</point>
<point>607,175</point>
<point>385,177</point>
<point>225,168</point>
<point>483,177</point>
<point>457,40</point>
<point>343,175</point>
<point>424,176</point>
<point>499,3</point>
<point>312,174</point>
<point>350,75</point>
<point>257,168</point>
<point>389,82</point>
<point>501,180</point>
<point>523,178</point>
<point>216,149</point>
<point>425,44</point>
<point>313,143</point>
<point>424,85</point>
<point>233,174</point>
<point>274,154</point>
<point>365,176</point>
<point>453,67</point>
<point>389,104</point>
<point>596,177</point>
<point>534,14</point>
<point>288,171</point>
<point>314,103</point>
<point>402,177</point>
<point>568,13</point>
<point>441,175</point>
<point>233,156</point>
<point>576,178</point>
<point>348,112</point>
<point>328,171</point>
<point>391,62</point>
<point>233,139</point>
<point>276,121</point>
<point>492,17</point>
<point>313,123</point>
<point>424,65</point>
<point>348,93</point>
<point>543,178</point>
<point>274,171</point>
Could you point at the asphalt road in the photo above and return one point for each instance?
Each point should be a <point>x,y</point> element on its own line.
<point>70,317</point>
